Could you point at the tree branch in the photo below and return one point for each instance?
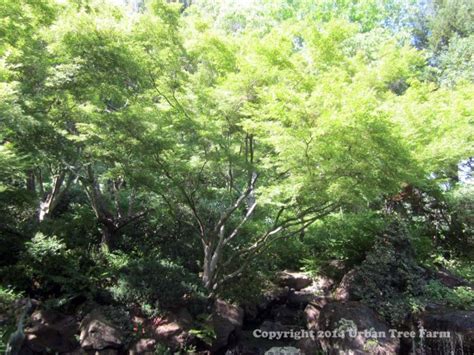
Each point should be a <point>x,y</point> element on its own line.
<point>237,204</point>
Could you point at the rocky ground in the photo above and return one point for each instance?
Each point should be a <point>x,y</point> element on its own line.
<point>297,302</point>
<point>364,310</point>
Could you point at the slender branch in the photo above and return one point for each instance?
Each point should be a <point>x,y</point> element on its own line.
<point>245,219</point>
<point>186,196</point>
<point>132,219</point>
<point>226,215</point>
<point>282,227</point>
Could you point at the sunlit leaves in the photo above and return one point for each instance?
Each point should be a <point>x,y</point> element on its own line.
<point>438,124</point>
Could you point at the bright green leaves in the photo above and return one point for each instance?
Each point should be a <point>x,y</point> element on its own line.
<point>212,56</point>
<point>326,43</point>
<point>397,66</point>
<point>20,21</point>
<point>437,124</point>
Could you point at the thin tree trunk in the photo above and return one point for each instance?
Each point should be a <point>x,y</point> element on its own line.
<point>207,273</point>
<point>31,182</point>
<point>108,236</point>
<point>52,199</point>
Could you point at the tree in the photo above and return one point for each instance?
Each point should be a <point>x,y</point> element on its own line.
<point>261,146</point>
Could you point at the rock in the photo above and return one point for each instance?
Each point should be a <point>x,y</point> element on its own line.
<point>450,280</point>
<point>143,346</point>
<point>312,312</point>
<point>254,309</point>
<point>78,351</point>
<point>51,331</point>
<point>167,328</point>
<point>287,350</point>
<point>244,349</point>
<point>97,333</point>
<point>352,319</point>
<point>276,295</point>
<point>337,264</point>
<point>459,324</point>
<point>294,280</point>
<point>320,286</point>
<point>301,298</point>
<point>334,268</point>
<point>322,283</point>
<point>309,346</point>
<point>172,329</point>
<point>106,352</point>
<point>286,315</point>
<point>312,316</point>
<point>94,352</point>
<point>227,320</point>
<point>344,290</point>
<point>251,312</point>
<point>184,317</point>
<point>269,326</point>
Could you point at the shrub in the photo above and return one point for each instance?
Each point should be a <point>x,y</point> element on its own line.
<point>155,282</point>
<point>461,297</point>
<point>345,237</point>
<point>8,297</point>
<point>55,271</point>
<point>390,278</point>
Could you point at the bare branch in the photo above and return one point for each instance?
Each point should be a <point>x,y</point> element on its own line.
<point>189,200</point>
<point>245,219</point>
<point>281,229</point>
<point>237,204</point>
<point>132,219</point>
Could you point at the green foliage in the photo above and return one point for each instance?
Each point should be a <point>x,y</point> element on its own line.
<point>461,267</point>
<point>461,297</point>
<point>162,349</point>
<point>390,279</point>
<point>140,130</point>
<point>281,254</point>
<point>248,288</point>
<point>455,63</point>
<point>206,334</point>
<point>49,269</point>
<point>152,282</point>
<point>8,299</point>
<point>346,237</point>
<point>452,18</point>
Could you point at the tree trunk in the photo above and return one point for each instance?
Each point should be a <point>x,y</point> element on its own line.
<point>31,182</point>
<point>208,273</point>
<point>52,199</point>
<point>108,237</point>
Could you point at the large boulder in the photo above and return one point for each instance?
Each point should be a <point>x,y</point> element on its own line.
<point>172,329</point>
<point>98,333</point>
<point>294,280</point>
<point>313,311</point>
<point>227,320</point>
<point>448,279</point>
<point>448,328</point>
<point>143,346</point>
<point>345,289</point>
<point>320,286</point>
<point>309,346</point>
<point>301,298</point>
<point>286,315</point>
<point>272,326</point>
<point>354,327</point>
<point>50,331</point>
<point>287,350</point>
<point>255,309</point>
